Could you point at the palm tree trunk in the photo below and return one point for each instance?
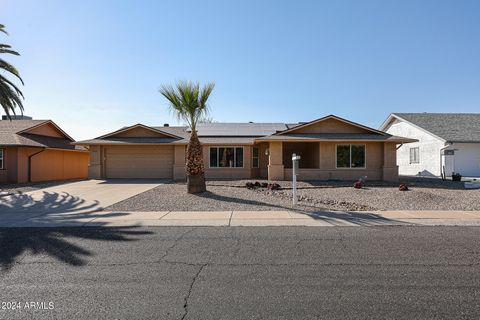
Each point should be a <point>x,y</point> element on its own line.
<point>195,166</point>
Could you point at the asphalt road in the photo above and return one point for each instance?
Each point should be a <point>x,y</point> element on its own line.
<point>241,273</point>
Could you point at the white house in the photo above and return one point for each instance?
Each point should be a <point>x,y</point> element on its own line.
<point>447,143</point>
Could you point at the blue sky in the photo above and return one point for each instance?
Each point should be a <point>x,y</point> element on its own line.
<point>95,66</point>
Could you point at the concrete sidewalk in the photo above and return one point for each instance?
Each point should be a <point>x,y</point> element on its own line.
<point>241,218</point>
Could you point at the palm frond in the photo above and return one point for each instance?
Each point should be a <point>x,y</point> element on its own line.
<point>11,69</point>
<point>2,29</point>
<point>10,95</point>
<point>188,101</point>
<point>12,85</point>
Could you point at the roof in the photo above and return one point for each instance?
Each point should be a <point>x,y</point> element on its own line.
<point>331,116</point>
<point>306,137</point>
<point>15,133</point>
<point>171,141</point>
<point>208,133</point>
<point>243,134</point>
<point>451,127</point>
<point>249,129</point>
<point>139,125</point>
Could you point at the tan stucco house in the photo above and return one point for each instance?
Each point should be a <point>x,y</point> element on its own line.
<point>38,150</point>
<point>330,148</point>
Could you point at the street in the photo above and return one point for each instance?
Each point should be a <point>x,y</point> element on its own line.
<point>397,272</point>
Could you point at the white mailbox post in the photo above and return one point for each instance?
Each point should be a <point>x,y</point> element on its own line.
<point>295,161</point>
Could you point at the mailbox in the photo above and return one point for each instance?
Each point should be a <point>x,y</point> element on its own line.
<point>295,166</point>
<point>295,162</point>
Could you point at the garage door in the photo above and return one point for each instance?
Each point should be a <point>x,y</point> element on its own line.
<point>139,162</point>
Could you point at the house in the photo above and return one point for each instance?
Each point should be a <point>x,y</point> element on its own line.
<point>330,148</point>
<point>447,143</point>
<point>38,150</point>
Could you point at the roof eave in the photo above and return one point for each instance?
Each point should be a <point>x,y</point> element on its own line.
<point>139,125</point>
<point>43,123</point>
<point>418,127</point>
<point>400,140</point>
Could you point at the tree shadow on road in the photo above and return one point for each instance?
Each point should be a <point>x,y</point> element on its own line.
<point>52,210</point>
<point>16,243</point>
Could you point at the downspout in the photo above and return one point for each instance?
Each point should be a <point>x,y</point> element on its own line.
<point>442,173</point>
<point>30,164</point>
<point>399,146</point>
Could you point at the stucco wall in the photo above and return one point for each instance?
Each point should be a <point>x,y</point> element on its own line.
<point>95,167</point>
<point>59,165</point>
<point>429,149</point>
<point>327,170</point>
<point>9,171</point>
<point>45,166</point>
<point>228,173</point>
<point>330,126</point>
<point>139,132</point>
<point>47,130</point>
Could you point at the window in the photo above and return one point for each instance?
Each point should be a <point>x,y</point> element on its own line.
<point>2,160</point>
<point>415,155</point>
<point>351,156</point>
<point>255,161</point>
<point>226,157</point>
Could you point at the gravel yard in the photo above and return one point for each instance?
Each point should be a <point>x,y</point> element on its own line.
<point>314,196</point>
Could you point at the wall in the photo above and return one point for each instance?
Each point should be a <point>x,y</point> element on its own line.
<point>331,126</point>
<point>9,173</point>
<point>47,130</point>
<point>327,171</point>
<point>139,132</point>
<point>95,167</point>
<point>47,165</point>
<point>308,151</point>
<point>59,165</point>
<point>228,173</point>
<point>262,171</point>
<point>429,149</point>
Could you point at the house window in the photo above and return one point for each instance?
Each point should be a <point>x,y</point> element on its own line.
<point>226,157</point>
<point>255,158</point>
<point>415,155</point>
<point>2,159</point>
<point>351,156</point>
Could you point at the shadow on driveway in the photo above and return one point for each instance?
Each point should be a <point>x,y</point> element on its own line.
<point>51,202</point>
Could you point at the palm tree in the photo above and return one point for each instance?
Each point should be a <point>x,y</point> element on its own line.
<point>10,96</point>
<point>189,103</point>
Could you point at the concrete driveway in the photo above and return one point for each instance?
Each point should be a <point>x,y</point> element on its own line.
<point>74,198</point>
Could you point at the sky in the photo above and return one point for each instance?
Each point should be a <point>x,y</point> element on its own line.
<point>96,66</point>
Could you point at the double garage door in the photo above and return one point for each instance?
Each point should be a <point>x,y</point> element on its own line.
<point>139,162</point>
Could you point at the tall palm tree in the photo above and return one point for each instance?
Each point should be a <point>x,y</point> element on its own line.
<point>189,103</point>
<point>10,96</point>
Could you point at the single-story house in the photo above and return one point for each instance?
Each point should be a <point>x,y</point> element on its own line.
<point>330,148</point>
<point>38,150</point>
<point>447,143</point>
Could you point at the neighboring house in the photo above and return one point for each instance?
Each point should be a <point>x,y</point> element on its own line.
<point>38,150</point>
<point>330,148</point>
<point>447,142</point>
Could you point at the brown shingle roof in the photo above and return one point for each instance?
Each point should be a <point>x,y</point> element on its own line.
<point>10,135</point>
<point>335,137</point>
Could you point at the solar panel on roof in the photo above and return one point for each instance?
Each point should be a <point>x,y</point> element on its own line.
<point>239,129</point>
